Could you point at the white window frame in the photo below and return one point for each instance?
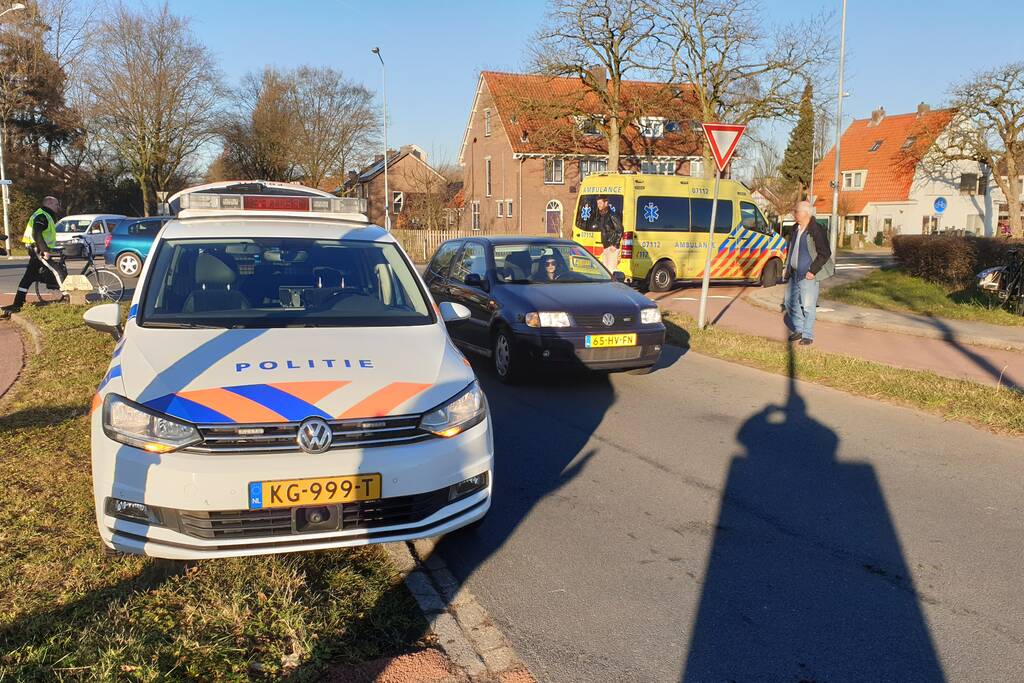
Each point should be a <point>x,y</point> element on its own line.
<point>397,201</point>
<point>487,176</point>
<point>850,180</point>
<point>696,168</point>
<point>508,208</point>
<point>561,171</point>
<point>660,167</point>
<point>475,207</point>
<point>501,208</point>
<point>587,167</point>
<point>651,127</point>
<point>487,123</point>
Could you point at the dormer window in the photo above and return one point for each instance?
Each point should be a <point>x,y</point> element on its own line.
<point>587,125</point>
<point>909,142</point>
<point>874,147</point>
<point>854,180</point>
<point>651,126</point>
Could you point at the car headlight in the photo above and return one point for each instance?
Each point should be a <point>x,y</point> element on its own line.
<point>467,409</point>
<point>130,423</point>
<point>548,319</point>
<point>649,316</point>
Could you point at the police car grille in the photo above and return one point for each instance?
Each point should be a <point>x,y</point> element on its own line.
<point>281,436</point>
<point>594,322</point>
<point>368,514</point>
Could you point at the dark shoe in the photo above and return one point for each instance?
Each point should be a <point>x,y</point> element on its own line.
<point>6,311</point>
<point>796,336</point>
<point>806,341</point>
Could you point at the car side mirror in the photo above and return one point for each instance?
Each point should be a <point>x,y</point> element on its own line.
<point>475,280</point>
<point>452,312</point>
<point>619,276</point>
<point>105,318</point>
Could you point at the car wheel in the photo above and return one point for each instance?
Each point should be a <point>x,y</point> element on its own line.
<point>662,277</point>
<point>129,264</point>
<point>506,360</point>
<point>770,273</point>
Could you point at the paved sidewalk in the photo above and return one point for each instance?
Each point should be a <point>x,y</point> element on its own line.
<point>732,308</point>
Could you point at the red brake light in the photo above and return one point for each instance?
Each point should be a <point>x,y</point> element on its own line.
<point>626,246</point>
<point>106,240</point>
<point>271,203</point>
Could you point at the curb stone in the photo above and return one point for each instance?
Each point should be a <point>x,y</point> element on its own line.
<point>31,330</point>
<point>464,629</point>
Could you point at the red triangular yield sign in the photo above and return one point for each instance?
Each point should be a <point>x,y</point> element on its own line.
<point>723,138</point>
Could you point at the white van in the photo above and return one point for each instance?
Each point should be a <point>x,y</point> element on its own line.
<point>91,227</point>
<point>283,382</point>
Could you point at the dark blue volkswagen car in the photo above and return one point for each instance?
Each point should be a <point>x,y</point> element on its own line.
<point>538,302</point>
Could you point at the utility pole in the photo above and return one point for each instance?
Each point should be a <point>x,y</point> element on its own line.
<point>3,173</point>
<point>384,99</point>
<point>834,231</point>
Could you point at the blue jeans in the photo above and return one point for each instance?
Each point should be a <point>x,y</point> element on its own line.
<point>801,301</point>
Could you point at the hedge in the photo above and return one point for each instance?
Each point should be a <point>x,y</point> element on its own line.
<point>950,260</point>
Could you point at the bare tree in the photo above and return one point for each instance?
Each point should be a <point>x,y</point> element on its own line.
<point>740,67</point>
<point>600,42</point>
<point>427,192</point>
<point>260,133</point>
<point>335,122</point>
<point>154,92</point>
<point>988,129</point>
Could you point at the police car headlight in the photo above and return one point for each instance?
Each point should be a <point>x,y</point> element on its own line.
<point>130,423</point>
<point>548,319</point>
<point>467,409</point>
<point>649,316</point>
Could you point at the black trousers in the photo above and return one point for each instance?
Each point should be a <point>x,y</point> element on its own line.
<point>37,270</point>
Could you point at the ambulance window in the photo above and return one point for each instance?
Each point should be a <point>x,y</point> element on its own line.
<point>586,212</point>
<point>667,214</point>
<point>752,218</point>
<point>700,211</point>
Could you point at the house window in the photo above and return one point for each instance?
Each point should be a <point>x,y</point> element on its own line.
<point>696,168</point>
<point>658,167</point>
<point>501,208</point>
<point>553,172</point>
<point>487,176</point>
<point>397,202</point>
<point>929,225</point>
<point>487,122</point>
<point>651,126</point>
<point>909,142</point>
<point>476,215</point>
<point>874,147</point>
<point>854,180</point>
<point>588,166</point>
<point>508,208</point>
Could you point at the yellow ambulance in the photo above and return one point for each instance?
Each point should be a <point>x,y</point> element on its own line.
<point>666,222</point>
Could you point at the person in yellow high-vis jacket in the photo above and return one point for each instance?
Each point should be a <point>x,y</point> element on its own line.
<point>40,239</point>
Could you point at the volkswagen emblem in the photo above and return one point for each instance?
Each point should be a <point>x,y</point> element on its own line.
<point>314,435</point>
<point>608,319</point>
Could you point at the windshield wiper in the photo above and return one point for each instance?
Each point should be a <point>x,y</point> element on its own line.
<point>188,326</point>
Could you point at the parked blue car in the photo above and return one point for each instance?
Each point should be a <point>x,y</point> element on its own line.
<point>128,244</point>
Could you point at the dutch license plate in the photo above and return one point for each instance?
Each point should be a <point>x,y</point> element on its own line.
<point>319,491</point>
<point>600,341</point>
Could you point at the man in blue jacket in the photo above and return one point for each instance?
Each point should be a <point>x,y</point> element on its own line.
<point>808,263</point>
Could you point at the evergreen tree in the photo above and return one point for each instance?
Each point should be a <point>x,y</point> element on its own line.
<point>796,163</point>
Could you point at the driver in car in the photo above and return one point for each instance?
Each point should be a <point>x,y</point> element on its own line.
<point>550,270</point>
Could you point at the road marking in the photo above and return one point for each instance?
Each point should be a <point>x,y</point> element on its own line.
<point>851,266</point>
<point>710,296</point>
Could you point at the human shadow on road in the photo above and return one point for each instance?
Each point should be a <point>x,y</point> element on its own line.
<point>806,580</point>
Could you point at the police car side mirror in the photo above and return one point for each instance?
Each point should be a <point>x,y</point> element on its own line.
<point>105,318</point>
<point>452,312</point>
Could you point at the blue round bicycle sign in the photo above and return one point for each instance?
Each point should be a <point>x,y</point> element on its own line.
<point>940,204</point>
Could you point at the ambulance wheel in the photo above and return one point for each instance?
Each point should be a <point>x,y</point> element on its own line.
<point>770,273</point>
<point>662,277</point>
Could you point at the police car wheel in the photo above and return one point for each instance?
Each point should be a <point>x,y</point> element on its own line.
<point>662,277</point>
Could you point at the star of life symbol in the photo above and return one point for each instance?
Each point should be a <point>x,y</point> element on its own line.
<point>585,212</point>
<point>651,212</point>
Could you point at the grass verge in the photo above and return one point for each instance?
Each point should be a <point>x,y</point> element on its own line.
<point>69,612</point>
<point>1000,410</point>
<point>892,290</point>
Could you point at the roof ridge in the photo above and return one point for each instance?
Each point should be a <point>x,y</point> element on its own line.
<point>944,110</point>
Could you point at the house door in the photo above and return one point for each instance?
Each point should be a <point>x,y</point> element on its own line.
<point>553,217</point>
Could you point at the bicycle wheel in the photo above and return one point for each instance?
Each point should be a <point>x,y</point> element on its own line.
<point>45,295</point>
<point>106,285</point>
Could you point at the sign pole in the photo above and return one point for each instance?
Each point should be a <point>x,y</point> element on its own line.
<point>706,282</point>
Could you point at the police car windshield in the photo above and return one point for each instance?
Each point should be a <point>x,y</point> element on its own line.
<point>537,263</point>
<point>73,225</point>
<point>281,282</point>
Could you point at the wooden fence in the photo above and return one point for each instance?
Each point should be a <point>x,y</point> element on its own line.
<point>421,244</point>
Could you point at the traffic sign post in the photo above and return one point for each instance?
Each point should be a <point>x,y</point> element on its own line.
<point>722,138</point>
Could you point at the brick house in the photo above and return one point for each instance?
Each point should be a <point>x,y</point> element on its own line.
<point>418,191</point>
<point>885,188</point>
<point>523,155</point>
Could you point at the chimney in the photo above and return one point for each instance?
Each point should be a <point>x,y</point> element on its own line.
<point>923,109</point>
<point>877,116</point>
<point>599,74</point>
<point>377,158</point>
<point>353,176</point>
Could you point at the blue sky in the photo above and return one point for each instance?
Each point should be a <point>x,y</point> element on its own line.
<point>899,52</point>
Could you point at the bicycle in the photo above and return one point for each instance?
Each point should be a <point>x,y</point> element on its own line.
<point>1006,282</point>
<point>106,284</point>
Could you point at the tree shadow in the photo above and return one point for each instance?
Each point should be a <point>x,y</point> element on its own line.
<point>806,579</point>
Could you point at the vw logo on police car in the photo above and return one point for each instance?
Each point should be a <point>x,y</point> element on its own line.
<point>314,435</point>
<point>608,319</point>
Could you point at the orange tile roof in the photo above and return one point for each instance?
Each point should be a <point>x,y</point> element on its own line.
<point>534,110</point>
<point>890,169</point>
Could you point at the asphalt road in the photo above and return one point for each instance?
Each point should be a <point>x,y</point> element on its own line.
<point>11,271</point>
<point>711,522</point>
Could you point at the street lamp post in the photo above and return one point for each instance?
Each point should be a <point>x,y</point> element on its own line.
<point>834,232</point>
<point>3,174</point>
<point>384,99</point>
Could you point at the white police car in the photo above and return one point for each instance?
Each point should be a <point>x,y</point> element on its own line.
<point>283,382</point>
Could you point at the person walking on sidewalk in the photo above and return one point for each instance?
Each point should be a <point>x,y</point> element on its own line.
<point>610,226</point>
<point>808,263</point>
<point>40,239</point>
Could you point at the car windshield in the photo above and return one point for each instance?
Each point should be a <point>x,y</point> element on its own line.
<point>534,263</point>
<point>74,225</point>
<point>281,282</point>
